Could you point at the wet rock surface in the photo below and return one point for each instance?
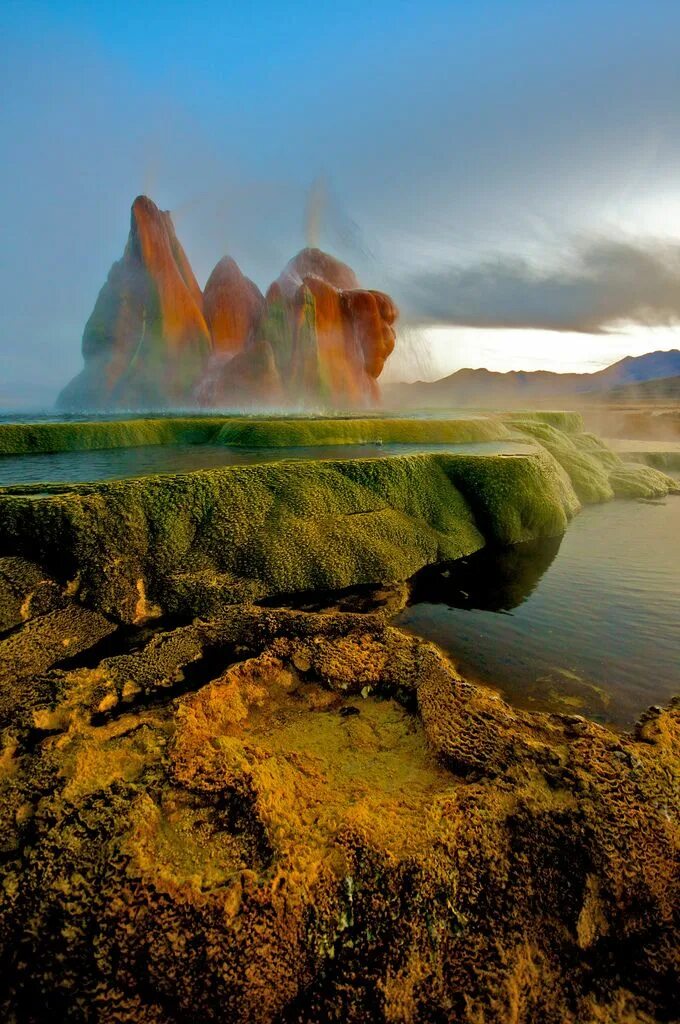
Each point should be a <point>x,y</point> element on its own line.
<point>302,816</point>
<point>188,544</point>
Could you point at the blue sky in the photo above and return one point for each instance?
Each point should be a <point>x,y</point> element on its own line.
<point>475,156</point>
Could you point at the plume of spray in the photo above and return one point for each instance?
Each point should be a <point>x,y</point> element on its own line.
<point>317,202</point>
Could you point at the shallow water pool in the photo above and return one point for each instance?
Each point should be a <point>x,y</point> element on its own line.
<point>589,623</point>
<point>117,463</point>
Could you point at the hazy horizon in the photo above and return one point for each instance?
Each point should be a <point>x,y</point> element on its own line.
<point>506,172</point>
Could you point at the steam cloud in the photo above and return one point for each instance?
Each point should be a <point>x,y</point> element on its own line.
<point>317,201</point>
<point>609,281</point>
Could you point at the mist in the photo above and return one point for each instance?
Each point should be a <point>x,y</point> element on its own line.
<point>459,186</point>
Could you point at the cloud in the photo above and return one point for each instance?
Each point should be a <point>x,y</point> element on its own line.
<point>608,281</point>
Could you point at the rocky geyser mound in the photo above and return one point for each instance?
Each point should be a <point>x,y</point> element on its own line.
<point>154,340</point>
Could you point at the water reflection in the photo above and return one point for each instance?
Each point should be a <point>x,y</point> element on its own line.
<point>493,579</point>
<point>118,463</point>
<point>588,622</point>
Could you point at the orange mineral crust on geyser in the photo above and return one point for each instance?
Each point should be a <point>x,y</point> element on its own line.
<point>232,305</point>
<point>155,341</point>
<point>330,338</point>
<point>146,340</point>
<point>321,339</point>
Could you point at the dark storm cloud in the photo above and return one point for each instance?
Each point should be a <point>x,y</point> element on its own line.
<point>607,281</point>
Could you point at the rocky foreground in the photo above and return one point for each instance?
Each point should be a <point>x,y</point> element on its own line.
<point>273,815</point>
<point>213,810</point>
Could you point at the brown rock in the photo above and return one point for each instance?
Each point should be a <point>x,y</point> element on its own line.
<point>284,817</point>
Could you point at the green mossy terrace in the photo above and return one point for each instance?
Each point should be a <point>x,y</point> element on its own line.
<point>284,433</point>
<point>190,543</point>
<point>596,472</point>
<point>29,438</point>
<point>569,422</point>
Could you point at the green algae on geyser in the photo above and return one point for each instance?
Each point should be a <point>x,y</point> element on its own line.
<point>563,419</point>
<point>190,543</point>
<point>634,480</point>
<point>30,438</point>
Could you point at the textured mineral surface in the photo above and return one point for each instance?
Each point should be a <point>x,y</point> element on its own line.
<point>156,341</point>
<point>217,804</point>
<point>190,543</point>
<point>146,340</point>
<point>284,816</point>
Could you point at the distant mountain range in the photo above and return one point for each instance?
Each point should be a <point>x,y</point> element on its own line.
<point>663,389</point>
<point>483,388</point>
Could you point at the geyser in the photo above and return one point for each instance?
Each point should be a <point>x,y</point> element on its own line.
<point>154,340</point>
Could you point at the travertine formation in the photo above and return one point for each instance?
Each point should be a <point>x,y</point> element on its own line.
<point>330,337</point>
<point>193,542</point>
<point>214,807</point>
<point>147,340</point>
<point>189,544</point>
<point>232,305</point>
<point>154,340</point>
<point>282,816</point>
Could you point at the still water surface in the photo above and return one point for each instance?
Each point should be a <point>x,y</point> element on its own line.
<point>589,624</point>
<point>116,463</point>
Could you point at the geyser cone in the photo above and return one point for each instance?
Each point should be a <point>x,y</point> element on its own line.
<point>232,306</point>
<point>329,337</point>
<point>153,340</point>
<point>146,342</point>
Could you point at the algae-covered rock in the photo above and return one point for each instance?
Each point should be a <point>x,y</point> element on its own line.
<point>589,476</point>
<point>322,821</point>
<point>192,543</point>
<point>596,472</point>
<point>516,498</point>
<point>567,421</point>
<point>189,544</point>
<point>25,592</point>
<point>30,438</point>
<point>27,438</point>
<point>632,480</point>
<point>285,433</point>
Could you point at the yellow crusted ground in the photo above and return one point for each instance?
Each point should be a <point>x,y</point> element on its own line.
<point>280,816</point>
